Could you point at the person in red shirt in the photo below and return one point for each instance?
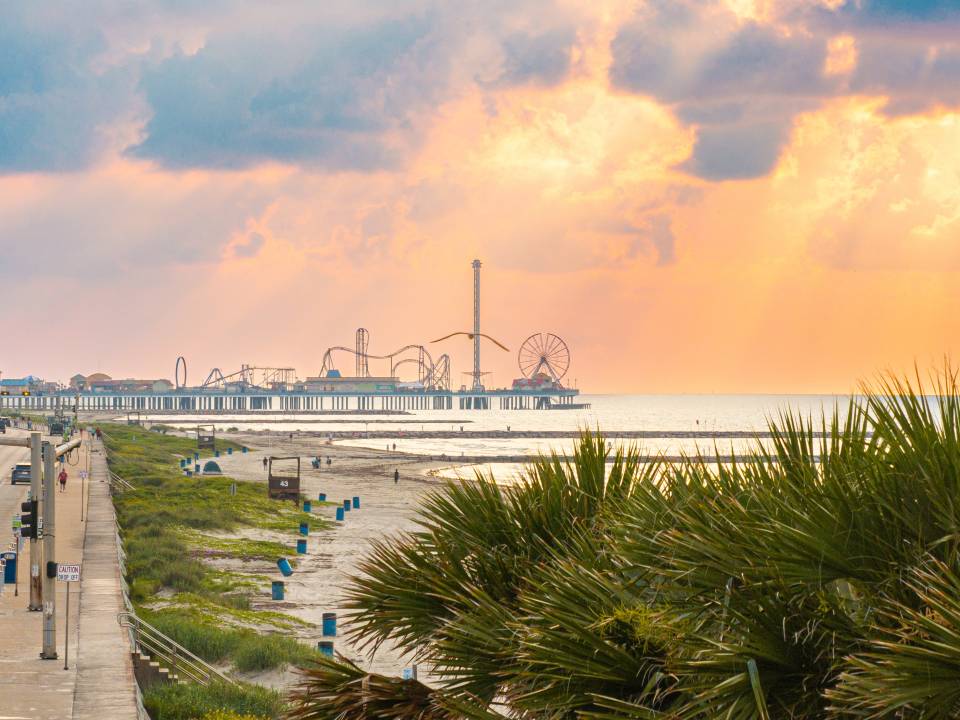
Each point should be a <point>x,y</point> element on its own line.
<point>63,480</point>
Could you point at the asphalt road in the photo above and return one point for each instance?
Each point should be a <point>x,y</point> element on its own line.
<point>11,495</point>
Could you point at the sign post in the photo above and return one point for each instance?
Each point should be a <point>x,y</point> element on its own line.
<point>68,574</point>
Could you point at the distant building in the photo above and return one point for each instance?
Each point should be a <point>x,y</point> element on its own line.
<point>29,384</point>
<point>131,385</point>
<point>336,383</point>
<point>539,382</point>
<point>83,382</point>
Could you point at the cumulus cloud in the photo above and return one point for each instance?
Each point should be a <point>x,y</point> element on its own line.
<point>742,83</point>
<point>57,107</point>
<point>249,245</point>
<point>333,95</point>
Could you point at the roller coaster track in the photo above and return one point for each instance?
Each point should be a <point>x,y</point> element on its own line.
<point>434,376</point>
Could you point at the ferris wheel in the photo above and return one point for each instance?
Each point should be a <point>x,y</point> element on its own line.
<point>544,353</point>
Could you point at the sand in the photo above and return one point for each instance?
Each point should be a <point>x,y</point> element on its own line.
<point>317,585</point>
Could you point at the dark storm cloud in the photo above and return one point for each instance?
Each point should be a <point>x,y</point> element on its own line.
<point>738,151</point>
<point>330,102</point>
<point>335,86</point>
<point>54,105</point>
<point>741,84</point>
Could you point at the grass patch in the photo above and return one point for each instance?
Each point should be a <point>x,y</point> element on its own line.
<point>165,524</point>
<point>240,548</point>
<point>191,701</point>
<point>248,650</point>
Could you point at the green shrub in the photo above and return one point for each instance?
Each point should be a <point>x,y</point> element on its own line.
<point>191,702</point>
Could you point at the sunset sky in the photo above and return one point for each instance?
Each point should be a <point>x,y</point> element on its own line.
<point>697,195</point>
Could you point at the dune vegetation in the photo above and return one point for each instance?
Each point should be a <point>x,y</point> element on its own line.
<point>816,577</point>
<point>172,527</point>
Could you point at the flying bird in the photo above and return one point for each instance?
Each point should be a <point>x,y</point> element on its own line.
<point>471,336</point>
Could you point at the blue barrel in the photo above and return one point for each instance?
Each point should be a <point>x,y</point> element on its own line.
<point>196,456</point>
<point>243,450</point>
<point>346,505</point>
<point>340,514</point>
<point>216,453</point>
<point>284,566</point>
<point>196,468</point>
<point>325,647</point>
<point>276,590</point>
<point>183,462</point>
<point>329,624</point>
<point>322,497</point>
<point>356,502</point>
<point>10,569</point>
<point>229,451</point>
<point>307,506</point>
<point>301,547</point>
<point>304,528</point>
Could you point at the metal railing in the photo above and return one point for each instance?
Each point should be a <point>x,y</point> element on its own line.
<point>118,483</point>
<point>182,664</point>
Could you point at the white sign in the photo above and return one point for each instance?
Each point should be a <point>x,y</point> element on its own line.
<point>68,573</point>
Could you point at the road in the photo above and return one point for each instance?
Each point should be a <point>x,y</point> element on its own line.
<point>11,495</point>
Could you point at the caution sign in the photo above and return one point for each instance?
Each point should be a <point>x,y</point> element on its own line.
<point>68,573</point>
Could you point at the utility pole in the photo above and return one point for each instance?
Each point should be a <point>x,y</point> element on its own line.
<point>49,586</point>
<point>477,386</point>
<point>36,472</point>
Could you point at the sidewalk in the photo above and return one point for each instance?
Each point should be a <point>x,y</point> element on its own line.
<point>35,689</point>
<point>106,687</point>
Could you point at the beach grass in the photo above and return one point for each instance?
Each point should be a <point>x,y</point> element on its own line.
<point>172,526</point>
<point>189,701</point>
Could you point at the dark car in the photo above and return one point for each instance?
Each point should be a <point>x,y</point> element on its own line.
<point>20,474</point>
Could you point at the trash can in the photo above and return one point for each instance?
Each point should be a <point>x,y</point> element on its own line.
<point>301,547</point>
<point>284,566</point>
<point>307,506</point>
<point>346,505</point>
<point>276,590</point>
<point>340,514</point>
<point>322,497</point>
<point>325,647</point>
<point>329,624</point>
<point>356,502</point>
<point>10,569</point>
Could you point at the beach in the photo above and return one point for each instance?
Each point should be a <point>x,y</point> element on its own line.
<point>334,555</point>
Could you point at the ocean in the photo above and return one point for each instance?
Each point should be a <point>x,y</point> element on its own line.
<point>658,413</point>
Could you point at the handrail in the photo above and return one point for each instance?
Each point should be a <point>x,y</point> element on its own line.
<point>117,480</point>
<point>179,660</point>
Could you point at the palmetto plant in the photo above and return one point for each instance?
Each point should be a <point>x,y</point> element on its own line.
<point>818,576</point>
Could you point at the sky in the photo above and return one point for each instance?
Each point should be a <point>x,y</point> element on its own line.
<point>696,195</point>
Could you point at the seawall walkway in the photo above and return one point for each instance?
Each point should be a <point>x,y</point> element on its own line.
<point>106,687</point>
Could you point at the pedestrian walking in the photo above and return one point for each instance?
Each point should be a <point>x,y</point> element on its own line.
<point>264,463</point>
<point>62,477</point>
<point>396,476</point>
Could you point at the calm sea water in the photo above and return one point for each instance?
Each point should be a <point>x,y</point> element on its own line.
<point>607,412</point>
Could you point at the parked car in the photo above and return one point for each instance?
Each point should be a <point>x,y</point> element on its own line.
<point>20,473</point>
